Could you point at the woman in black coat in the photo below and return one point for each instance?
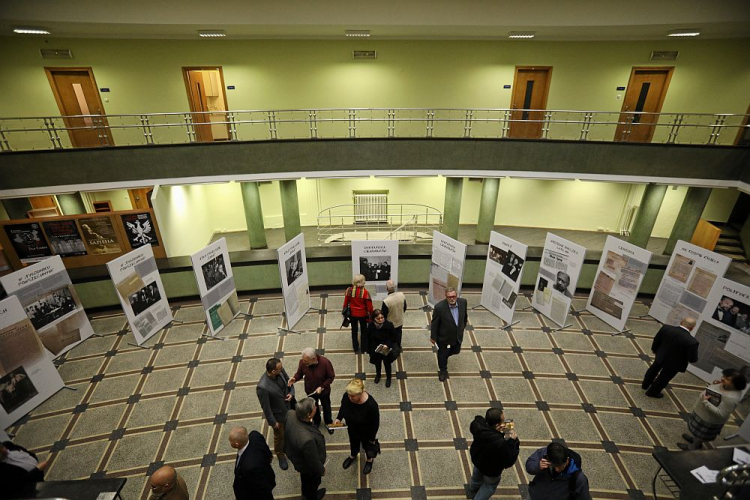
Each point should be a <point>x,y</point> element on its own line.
<point>362,415</point>
<point>381,332</point>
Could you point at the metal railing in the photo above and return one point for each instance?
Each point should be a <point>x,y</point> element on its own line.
<point>57,132</point>
<point>406,222</point>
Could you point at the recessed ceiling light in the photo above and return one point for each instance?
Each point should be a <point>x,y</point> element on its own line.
<point>684,32</point>
<point>212,33</point>
<point>522,34</point>
<point>360,33</point>
<point>31,31</point>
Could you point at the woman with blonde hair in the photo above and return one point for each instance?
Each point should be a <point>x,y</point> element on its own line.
<point>358,300</point>
<point>362,415</point>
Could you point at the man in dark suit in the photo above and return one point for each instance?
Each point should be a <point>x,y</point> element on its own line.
<point>306,448</point>
<point>724,312</point>
<point>674,347</point>
<point>253,476</point>
<point>447,330</point>
<point>18,467</point>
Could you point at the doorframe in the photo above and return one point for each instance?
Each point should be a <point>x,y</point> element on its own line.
<point>185,70</point>
<point>670,72</point>
<point>738,138</point>
<point>532,68</point>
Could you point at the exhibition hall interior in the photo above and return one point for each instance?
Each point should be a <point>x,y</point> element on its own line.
<point>188,190</point>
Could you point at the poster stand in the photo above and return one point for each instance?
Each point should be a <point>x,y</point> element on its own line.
<point>621,332</point>
<point>287,330</point>
<point>561,328</point>
<point>209,337</point>
<point>510,325</point>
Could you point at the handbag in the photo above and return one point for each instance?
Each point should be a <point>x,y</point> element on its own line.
<point>347,313</point>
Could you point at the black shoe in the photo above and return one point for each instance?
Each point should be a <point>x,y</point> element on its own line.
<point>321,493</point>
<point>377,378</point>
<point>442,375</point>
<point>645,387</point>
<point>348,461</point>
<point>687,437</point>
<point>388,382</point>
<point>330,431</point>
<point>470,493</point>
<point>283,464</point>
<point>367,469</point>
<point>657,396</point>
<point>683,446</point>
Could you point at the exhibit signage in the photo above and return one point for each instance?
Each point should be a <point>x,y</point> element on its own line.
<point>556,282</point>
<point>377,261</point>
<point>213,273</point>
<point>502,275</point>
<point>447,268</point>
<point>294,279</point>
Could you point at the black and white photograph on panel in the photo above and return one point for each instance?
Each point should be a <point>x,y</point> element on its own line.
<point>144,298</point>
<point>293,266</point>
<point>51,306</point>
<point>512,266</point>
<point>16,388</point>
<point>375,268</point>
<point>498,255</point>
<point>732,313</point>
<point>214,271</point>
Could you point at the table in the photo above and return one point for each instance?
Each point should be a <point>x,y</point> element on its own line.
<point>84,489</point>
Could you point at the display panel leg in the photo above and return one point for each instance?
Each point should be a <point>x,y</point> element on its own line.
<point>140,346</point>
<point>510,325</point>
<point>561,328</point>
<point>70,388</point>
<point>621,332</point>
<point>730,436</point>
<point>209,337</point>
<point>478,306</point>
<point>246,315</point>
<point>286,330</point>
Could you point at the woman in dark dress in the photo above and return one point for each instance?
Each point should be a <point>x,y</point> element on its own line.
<point>362,415</point>
<point>380,331</point>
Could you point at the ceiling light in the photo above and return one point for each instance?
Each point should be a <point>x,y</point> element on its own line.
<point>522,34</point>
<point>212,34</point>
<point>684,32</point>
<point>31,31</point>
<point>360,33</point>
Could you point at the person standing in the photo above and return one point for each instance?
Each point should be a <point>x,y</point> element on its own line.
<point>318,373</point>
<point>674,348</point>
<point>166,484</point>
<point>358,299</point>
<point>449,319</point>
<point>491,453</point>
<point>254,477</point>
<point>393,308</point>
<point>557,474</point>
<point>276,397</point>
<point>381,332</point>
<point>362,415</point>
<point>18,468</point>
<point>306,448</point>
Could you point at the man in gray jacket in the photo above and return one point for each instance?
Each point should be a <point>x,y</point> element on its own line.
<point>276,399</point>
<point>449,319</point>
<point>306,448</point>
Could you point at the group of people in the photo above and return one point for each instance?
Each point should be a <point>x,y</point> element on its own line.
<point>732,315</point>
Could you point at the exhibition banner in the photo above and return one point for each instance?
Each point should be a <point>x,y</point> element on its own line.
<point>100,235</point>
<point>64,237</point>
<point>723,330</point>
<point>683,292</point>
<point>51,304</point>
<point>140,229</point>
<point>447,269</point>
<point>27,375</point>
<point>28,241</point>
<point>378,262</point>
<point>294,279</point>
<point>559,269</point>
<point>502,276</point>
<point>141,292</point>
<point>618,279</point>
<point>213,272</point>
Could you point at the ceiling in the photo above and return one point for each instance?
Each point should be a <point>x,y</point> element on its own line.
<point>386,19</point>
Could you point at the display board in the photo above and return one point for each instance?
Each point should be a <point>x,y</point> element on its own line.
<point>618,279</point>
<point>378,262</point>
<point>27,375</point>
<point>51,303</point>
<point>213,273</point>
<point>294,279</point>
<point>141,292</point>
<point>723,330</point>
<point>502,276</point>
<point>556,282</point>
<point>683,292</point>
<point>447,268</point>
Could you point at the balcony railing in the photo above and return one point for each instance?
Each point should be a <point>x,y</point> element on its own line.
<point>58,132</point>
<point>405,222</point>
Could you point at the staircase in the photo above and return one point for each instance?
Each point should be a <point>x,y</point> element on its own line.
<point>729,243</point>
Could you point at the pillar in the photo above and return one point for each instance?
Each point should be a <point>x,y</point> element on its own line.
<point>290,209</point>
<point>452,208</point>
<point>690,213</point>
<point>645,218</point>
<point>256,231</point>
<point>71,204</point>
<point>487,207</point>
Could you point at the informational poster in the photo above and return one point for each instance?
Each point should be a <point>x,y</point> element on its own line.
<point>28,242</point>
<point>27,375</point>
<point>51,304</point>
<point>141,292</point>
<point>723,330</point>
<point>213,272</point>
<point>691,274</point>
<point>100,235</point>
<point>447,269</point>
<point>559,269</point>
<point>294,279</point>
<point>140,229</point>
<point>502,276</point>
<point>618,279</point>
<point>64,238</point>
<point>377,261</point>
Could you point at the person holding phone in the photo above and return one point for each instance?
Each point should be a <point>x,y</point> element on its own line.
<point>491,452</point>
<point>557,474</point>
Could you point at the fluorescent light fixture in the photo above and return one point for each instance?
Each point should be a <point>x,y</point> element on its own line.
<point>359,33</point>
<point>684,32</point>
<point>522,34</point>
<point>31,31</point>
<point>212,33</point>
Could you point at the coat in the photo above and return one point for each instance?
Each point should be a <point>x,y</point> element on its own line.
<point>443,329</point>
<point>674,347</point>
<point>545,486</point>
<point>14,478</point>
<point>253,475</point>
<point>359,302</point>
<point>490,452</point>
<point>304,445</point>
<point>271,396</point>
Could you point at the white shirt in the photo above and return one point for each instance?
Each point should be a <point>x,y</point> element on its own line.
<point>21,459</point>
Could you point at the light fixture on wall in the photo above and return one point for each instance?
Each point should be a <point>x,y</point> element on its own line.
<point>212,33</point>
<point>357,33</point>
<point>522,34</point>
<point>31,31</point>
<point>684,32</point>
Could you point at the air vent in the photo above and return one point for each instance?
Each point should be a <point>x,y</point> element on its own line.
<point>364,54</point>
<point>664,55</point>
<point>56,54</point>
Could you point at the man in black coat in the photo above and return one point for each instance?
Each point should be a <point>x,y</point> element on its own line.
<point>449,320</point>
<point>674,348</point>
<point>491,453</point>
<point>18,467</point>
<point>253,476</point>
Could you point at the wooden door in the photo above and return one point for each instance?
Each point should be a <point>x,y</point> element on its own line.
<point>646,91</point>
<point>205,89</point>
<point>140,199</point>
<point>743,135</point>
<point>76,93</point>
<point>530,90</point>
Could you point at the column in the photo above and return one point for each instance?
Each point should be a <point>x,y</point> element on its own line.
<point>290,208</point>
<point>645,218</point>
<point>256,231</point>
<point>487,207</point>
<point>71,204</point>
<point>687,219</point>
<point>452,207</point>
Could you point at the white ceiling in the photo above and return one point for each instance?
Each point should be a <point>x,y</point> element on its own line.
<point>386,19</point>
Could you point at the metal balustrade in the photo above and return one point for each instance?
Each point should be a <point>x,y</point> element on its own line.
<point>405,222</point>
<point>56,132</point>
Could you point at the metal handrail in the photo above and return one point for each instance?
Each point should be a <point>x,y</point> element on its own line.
<point>338,223</point>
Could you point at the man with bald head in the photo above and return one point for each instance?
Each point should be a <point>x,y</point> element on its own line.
<point>674,347</point>
<point>166,484</point>
<point>253,476</point>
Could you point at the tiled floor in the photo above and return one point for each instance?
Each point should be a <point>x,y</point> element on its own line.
<point>135,409</point>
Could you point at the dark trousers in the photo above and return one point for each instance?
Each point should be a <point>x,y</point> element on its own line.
<point>359,324</point>
<point>657,378</point>
<point>444,353</point>
<point>310,483</point>
<point>357,438</point>
<point>399,333</point>
<point>323,400</point>
<point>379,361</point>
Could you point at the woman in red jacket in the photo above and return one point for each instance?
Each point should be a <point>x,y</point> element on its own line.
<point>360,303</point>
